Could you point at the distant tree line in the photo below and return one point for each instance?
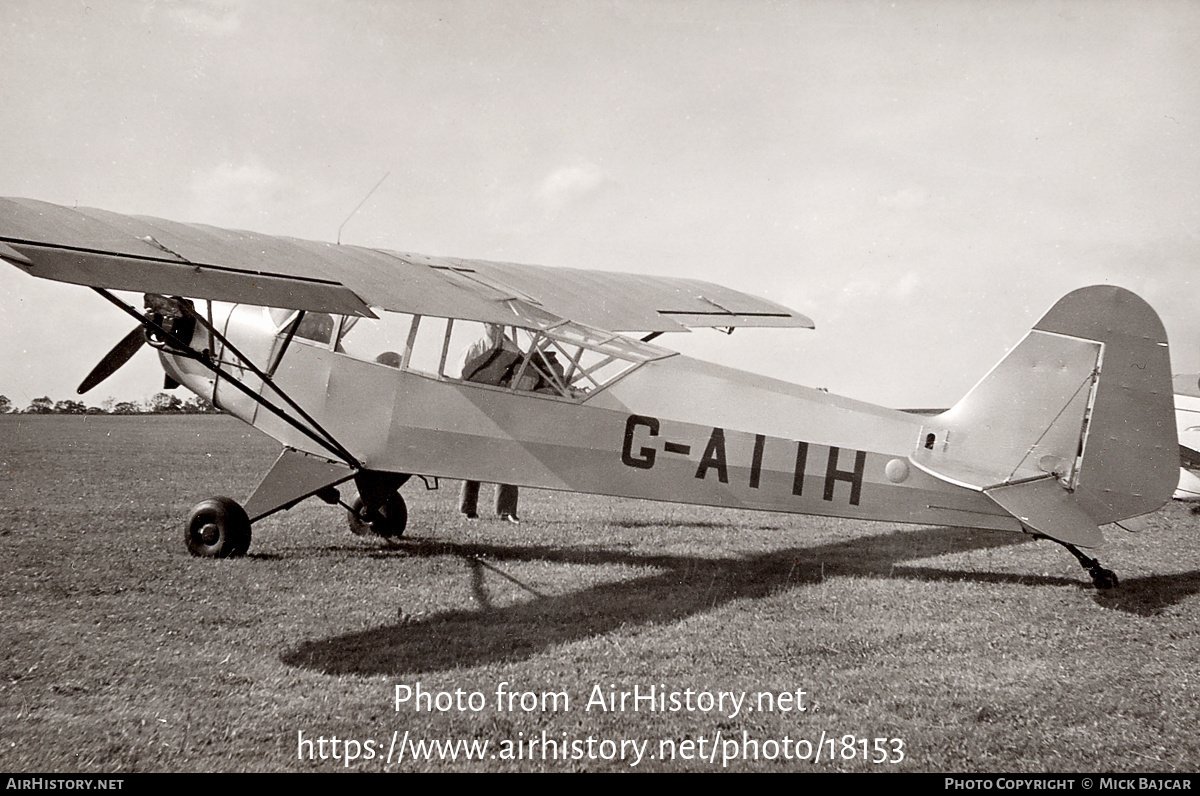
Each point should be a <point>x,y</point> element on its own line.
<point>159,404</point>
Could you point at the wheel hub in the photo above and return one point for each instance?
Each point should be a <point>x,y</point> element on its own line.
<point>210,533</point>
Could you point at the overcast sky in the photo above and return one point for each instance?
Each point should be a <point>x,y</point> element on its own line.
<point>923,179</point>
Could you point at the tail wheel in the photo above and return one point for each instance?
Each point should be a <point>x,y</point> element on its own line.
<point>217,528</point>
<point>387,521</point>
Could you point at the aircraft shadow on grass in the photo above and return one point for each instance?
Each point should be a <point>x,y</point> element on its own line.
<point>680,587</point>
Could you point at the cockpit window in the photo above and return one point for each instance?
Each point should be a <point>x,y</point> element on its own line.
<point>562,359</point>
<point>280,317</point>
<point>381,340</point>
<point>316,326</point>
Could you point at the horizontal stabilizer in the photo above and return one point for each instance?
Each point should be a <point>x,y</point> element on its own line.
<point>1044,506</point>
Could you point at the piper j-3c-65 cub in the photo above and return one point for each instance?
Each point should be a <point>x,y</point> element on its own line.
<point>349,357</point>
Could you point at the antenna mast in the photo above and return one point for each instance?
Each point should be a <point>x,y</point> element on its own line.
<point>360,204</point>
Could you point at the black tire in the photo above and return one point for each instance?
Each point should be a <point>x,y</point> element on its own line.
<point>359,526</point>
<point>217,528</point>
<point>388,522</point>
<point>1105,578</point>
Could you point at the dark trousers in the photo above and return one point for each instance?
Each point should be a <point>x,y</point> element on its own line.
<point>506,499</point>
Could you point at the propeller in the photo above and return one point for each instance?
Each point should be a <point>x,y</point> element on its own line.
<point>115,358</point>
<point>169,324</point>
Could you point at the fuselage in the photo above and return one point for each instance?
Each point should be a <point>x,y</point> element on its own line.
<point>669,427</point>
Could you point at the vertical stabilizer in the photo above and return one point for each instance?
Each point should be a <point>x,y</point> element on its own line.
<point>1083,403</point>
<point>1130,460</point>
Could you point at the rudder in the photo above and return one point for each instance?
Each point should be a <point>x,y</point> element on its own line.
<point>1131,449</point>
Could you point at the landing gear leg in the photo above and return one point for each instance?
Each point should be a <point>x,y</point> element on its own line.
<point>1101,577</point>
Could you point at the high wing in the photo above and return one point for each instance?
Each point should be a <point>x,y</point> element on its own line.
<point>149,255</point>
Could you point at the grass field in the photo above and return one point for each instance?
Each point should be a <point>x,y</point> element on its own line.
<point>935,649</point>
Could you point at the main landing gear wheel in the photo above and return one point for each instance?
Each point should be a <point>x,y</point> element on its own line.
<point>388,521</point>
<point>217,528</point>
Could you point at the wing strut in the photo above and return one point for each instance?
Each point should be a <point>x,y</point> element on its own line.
<point>313,430</point>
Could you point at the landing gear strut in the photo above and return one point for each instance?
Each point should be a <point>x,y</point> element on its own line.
<point>1101,577</point>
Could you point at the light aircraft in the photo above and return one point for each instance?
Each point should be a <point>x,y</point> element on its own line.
<point>348,357</point>
<point>1187,422</point>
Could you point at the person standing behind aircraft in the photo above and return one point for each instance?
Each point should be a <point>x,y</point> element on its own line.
<point>490,360</point>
